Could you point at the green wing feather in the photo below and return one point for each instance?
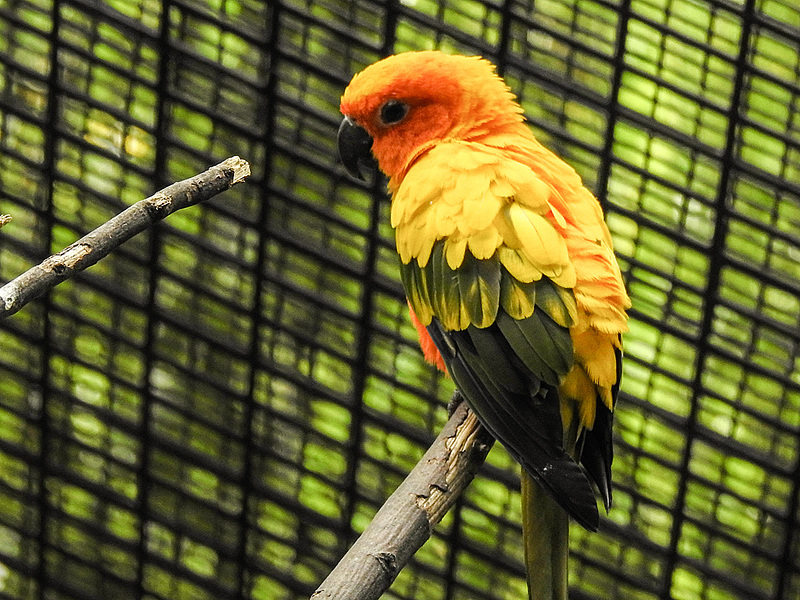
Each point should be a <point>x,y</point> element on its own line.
<point>517,298</point>
<point>558,302</point>
<point>533,317</point>
<point>479,283</point>
<point>527,339</point>
<point>416,288</point>
<point>447,295</point>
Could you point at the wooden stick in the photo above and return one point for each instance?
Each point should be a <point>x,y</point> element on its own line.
<point>99,243</point>
<point>407,518</point>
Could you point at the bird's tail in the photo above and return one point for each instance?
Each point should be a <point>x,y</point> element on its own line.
<point>545,530</point>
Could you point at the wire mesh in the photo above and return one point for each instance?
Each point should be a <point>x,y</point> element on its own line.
<point>218,408</point>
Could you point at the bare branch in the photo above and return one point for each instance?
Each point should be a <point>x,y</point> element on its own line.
<point>95,245</point>
<point>407,518</point>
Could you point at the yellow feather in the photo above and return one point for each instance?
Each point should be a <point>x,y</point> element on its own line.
<point>540,241</point>
<point>447,298</point>
<point>566,277</point>
<point>587,408</point>
<point>541,244</point>
<point>454,252</point>
<point>577,387</point>
<point>519,266</point>
<point>506,230</point>
<point>501,188</point>
<point>464,155</point>
<point>410,198</point>
<point>415,243</point>
<point>443,218</point>
<point>398,210</point>
<point>602,313</point>
<point>428,235</point>
<point>610,325</point>
<point>403,246</point>
<point>606,397</point>
<point>483,244</point>
<point>533,193</point>
<point>559,218</point>
<point>595,351</point>
<point>479,210</point>
<point>425,250</point>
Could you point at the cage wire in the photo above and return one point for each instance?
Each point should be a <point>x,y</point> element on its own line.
<point>219,408</point>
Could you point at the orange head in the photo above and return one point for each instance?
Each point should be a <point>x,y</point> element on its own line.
<point>403,104</point>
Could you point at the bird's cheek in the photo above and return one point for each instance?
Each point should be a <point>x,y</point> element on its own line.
<point>390,153</point>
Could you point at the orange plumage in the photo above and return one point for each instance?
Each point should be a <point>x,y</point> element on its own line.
<point>510,275</point>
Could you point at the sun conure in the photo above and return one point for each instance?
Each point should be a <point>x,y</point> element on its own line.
<point>510,275</point>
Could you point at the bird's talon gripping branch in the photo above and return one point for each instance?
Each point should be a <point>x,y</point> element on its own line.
<point>455,401</point>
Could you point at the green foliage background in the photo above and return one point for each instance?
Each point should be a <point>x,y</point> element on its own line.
<point>218,408</point>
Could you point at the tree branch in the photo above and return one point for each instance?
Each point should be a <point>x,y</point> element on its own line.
<point>407,518</point>
<point>95,245</point>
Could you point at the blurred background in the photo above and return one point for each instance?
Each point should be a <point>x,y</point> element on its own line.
<point>219,408</point>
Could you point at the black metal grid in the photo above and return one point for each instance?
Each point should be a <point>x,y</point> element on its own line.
<point>218,408</point>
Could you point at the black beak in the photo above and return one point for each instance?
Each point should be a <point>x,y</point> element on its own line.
<point>355,148</point>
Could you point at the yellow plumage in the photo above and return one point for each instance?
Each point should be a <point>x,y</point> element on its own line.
<point>506,260</point>
<point>478,201</point>
<point>494,207</point>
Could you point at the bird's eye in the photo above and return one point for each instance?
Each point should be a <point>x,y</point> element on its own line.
<point>393,112</point>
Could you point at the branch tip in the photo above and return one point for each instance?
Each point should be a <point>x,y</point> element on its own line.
<point>98,243</point>
<point>240,167</point>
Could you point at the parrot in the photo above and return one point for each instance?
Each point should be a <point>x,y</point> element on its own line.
<point>510,276</point>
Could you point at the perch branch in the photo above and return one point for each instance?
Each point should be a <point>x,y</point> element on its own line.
<point>407,518</point>
<point>95,245</point>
